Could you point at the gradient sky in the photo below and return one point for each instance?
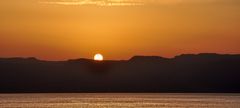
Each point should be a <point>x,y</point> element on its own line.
<point>118,29</point>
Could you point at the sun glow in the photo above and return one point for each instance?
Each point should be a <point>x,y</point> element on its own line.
<point>98,57</point>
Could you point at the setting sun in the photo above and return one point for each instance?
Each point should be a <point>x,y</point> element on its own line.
<point>98,57</point>
<point>120,53</point>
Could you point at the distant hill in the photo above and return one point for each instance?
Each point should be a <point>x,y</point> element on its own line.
<point>185,73</point>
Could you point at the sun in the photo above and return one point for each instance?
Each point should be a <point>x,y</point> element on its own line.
<point>98,57</point>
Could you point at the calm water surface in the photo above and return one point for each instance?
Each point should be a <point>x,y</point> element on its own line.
<point>99,100</point>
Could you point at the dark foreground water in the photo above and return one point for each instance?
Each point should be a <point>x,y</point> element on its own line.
<point>131,100</point>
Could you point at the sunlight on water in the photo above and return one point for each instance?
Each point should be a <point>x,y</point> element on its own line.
<point>119,100</point>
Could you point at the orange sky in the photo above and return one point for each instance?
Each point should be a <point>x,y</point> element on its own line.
<point>119,29</point>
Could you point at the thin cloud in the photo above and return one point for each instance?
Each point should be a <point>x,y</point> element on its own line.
<point>96,2</point>
<point>126,2</point>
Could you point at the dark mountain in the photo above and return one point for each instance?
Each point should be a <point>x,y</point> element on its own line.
<point>184,73</point>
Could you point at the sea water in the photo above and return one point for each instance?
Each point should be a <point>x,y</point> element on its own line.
<point>119,100</point>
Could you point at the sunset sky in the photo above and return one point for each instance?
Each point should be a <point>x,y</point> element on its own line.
<point>118,29</point>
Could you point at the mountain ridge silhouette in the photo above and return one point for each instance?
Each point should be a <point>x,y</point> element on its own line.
<point>204,72</point>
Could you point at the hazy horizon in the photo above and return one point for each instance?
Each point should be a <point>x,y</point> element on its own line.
<point>137,55</point>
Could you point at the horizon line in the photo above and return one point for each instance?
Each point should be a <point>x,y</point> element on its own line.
<point>82,58</point>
